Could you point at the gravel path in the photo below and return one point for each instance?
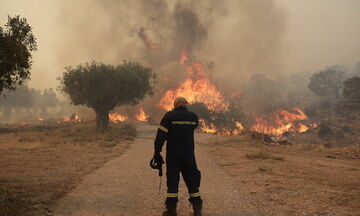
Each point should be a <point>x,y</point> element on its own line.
<point>128,186</point>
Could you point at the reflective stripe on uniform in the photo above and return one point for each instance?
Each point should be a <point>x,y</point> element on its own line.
<point>172,195</point>
<point>163,128</point>
<point>184,122</point>
<point>192,195</point>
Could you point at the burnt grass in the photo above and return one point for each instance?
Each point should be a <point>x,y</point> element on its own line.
<point>41,163</point>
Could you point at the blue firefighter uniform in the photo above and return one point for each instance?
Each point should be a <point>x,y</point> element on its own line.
<point>177,128</point>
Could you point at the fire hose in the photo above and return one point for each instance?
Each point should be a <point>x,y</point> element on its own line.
<point>156,163</point>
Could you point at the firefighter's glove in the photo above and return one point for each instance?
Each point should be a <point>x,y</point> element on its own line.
<point>156,163</point>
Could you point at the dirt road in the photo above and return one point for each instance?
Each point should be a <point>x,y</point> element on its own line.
<point>127,186</point>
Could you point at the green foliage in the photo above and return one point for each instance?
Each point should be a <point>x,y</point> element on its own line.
<point>103,87</point>
<point>352,89</point>
<point>17,42</point>
<point>98,85</point>
<point>328,82</point>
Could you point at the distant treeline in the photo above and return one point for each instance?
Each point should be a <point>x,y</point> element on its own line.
<point>30,100</point>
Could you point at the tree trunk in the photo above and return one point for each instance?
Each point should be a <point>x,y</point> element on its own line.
<point>102,119</point>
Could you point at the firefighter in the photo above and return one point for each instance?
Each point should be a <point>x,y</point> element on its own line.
<point>177,128</point>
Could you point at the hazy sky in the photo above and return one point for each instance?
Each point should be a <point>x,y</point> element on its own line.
<point>318,33</point>
<point>321,32</point>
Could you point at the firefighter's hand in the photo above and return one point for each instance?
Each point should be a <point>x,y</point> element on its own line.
<point>156,154</point>
<point>158,158</point>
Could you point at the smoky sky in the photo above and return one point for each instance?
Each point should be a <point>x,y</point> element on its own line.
<point>238,38</point>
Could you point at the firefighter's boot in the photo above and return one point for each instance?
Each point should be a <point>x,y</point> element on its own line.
<point>197,206</point>
<point>170,210</point>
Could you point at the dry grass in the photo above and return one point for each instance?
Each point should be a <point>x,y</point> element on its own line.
<point>263,155</point>
<point>308,183</point>
<point>258,155</point>
<point>39,164</point>
<point>10,203</point>
<point>265,169</point>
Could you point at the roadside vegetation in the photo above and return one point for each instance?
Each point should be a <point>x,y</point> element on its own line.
<point>40,163</point>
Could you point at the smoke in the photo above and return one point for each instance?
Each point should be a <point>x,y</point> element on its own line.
<point>233,39</point>
<point>251,50</point>
<point>188,29</point>
<point>240,37</point>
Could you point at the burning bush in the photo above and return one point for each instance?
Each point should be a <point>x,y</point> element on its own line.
<point>282,122</point>
<point>227,122</point>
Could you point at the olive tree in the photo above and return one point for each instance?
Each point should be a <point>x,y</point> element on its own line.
<point>328,82</point>
<point>103,87</point>
<point>17,43</point>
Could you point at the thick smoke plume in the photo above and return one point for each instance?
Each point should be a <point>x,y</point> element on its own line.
<point>233,39</point>
<point>241,37</point>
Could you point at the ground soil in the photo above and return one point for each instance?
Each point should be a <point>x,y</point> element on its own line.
<point>40,163</point>
<point>291,180</point>
<point>72,170</point>
<point>128,186</point>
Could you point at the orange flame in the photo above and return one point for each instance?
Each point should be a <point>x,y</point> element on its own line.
<point>239,128</point>
<point>141,116</point>
<point>40,119</point>
<point>117,118</point>
<point>302,128</point>
<point>281,121</point>
<point>212,129</point>
<point>196,88</point>
<point>73,118</point>
<point>183,56</point>
<point>207,129</point>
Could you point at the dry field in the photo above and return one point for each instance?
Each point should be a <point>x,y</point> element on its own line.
<point>292,180</point>
<point>40,163</point>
